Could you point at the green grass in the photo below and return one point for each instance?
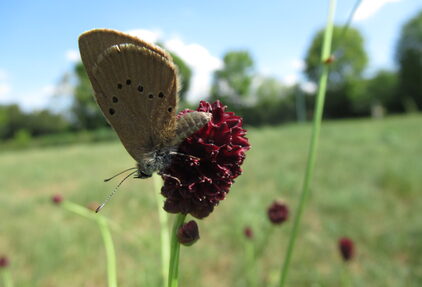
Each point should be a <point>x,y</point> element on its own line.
<point>367,186</point>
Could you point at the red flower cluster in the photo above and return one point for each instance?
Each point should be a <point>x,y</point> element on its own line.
<point>278,212</point>
<point>188,233</point>
<point>346,248</point>
<point>248,232</point>
<point>4,261</point>
<point>57,198</point>
<point>198,183</point>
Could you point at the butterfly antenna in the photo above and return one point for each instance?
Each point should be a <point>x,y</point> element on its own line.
<point>107,179</point>
<point>113,192</point>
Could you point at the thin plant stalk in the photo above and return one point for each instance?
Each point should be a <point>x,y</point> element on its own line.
<point>164,230</point>
<point>251,269</point>
<point>105,234</point>
<point>173,280</point>
<point>6,278</point>
<point>264,242</point>
<point>110,252</point>
<point>345,276</point>
<point>313,144</point>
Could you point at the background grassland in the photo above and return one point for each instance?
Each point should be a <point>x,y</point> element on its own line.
<point>367,186</point>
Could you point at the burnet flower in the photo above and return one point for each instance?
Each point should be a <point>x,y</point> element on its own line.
<point>346,248</point>
<point>188,233</point>
<point>278,212</point>
<point>196,183</point>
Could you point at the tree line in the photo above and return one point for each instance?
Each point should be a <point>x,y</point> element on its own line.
<point>265,100</point>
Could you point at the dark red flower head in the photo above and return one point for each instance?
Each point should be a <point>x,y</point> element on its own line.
<point>278,212</point>
<point>217,150</point>
<point>347,248</point>
<point>248,232</point>
<point>57,198</point>
<point>188,233</point>
<point>4,261</point>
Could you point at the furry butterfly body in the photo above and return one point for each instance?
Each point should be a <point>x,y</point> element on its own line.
<point>136,86</point>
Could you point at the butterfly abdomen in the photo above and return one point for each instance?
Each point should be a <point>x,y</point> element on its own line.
<point>188,124</point>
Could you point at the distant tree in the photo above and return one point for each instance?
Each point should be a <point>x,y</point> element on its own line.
<point>185,74</point>
<point>350,61</point>
<point>274,103</point>
<point>13,121</point>
<point>232,83</point>
<point>381,90</point>
<point>409,59</point>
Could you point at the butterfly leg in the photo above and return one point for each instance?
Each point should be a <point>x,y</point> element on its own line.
<point>170,176</point>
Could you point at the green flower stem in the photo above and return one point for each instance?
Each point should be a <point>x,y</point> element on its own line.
<point>264,242</point>
<point>165,236</point>
<point>79,210</point>
<point>251,270</point>
<point>110,253</point>
<point>7,278</point>
<point>345,276</point>
<point>175,250</point>
<point>313,144</point>
<point>105,234</point>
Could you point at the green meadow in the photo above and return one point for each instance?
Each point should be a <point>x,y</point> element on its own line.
<point>367,186</point>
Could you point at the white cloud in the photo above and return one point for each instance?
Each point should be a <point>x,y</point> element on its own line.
<point>5,87</point>
<point>202,63</point>
<point>4,90</point>
<point>3,75</point>
<point>290,79</point>
<point>308,87</point>
<point>73,56</point>
<point>369,7</point>
<point>297,64</point>
<point>38,99</point>
<point>151,36</point>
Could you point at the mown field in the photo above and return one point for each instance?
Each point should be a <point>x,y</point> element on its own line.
<point>367,186</point>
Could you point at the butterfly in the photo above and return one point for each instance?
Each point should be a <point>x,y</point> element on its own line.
<point>136,87</point>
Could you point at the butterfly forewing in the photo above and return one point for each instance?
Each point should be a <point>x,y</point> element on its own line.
<point>137,92</point>
<point>94,42</point>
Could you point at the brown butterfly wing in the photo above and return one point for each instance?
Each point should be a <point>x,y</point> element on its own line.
<point>136,89</point>
<point>94,42</point>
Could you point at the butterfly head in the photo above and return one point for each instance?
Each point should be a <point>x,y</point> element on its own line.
<point>153,161</point>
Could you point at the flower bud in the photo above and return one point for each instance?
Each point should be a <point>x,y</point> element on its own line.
<point>347,248</point>
<point>248,232</point>
<point>188,233</point>
<point>329,60</point>
<point>57,198</point>
<point>278,212</point>
<point>4,261</point>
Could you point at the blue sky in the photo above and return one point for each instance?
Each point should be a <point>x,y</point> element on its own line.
<point>39,38</point>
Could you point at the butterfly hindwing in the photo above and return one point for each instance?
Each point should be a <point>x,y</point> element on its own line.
<point>137,93</point>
